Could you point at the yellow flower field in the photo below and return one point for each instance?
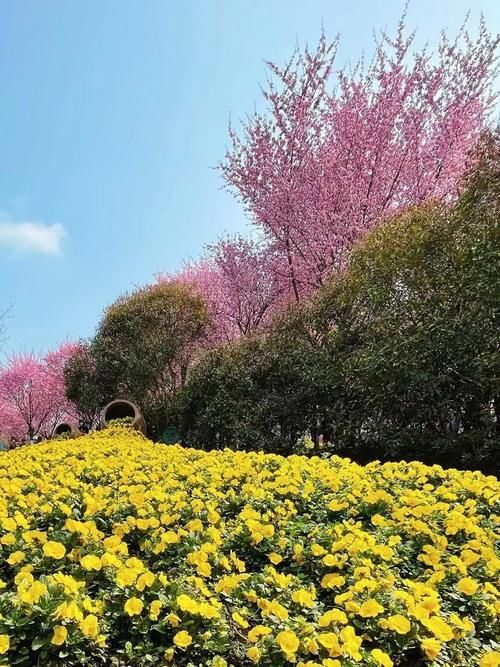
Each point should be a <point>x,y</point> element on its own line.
<point>116,551</point>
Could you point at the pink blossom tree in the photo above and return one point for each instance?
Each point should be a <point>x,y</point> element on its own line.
<point>32,394</point>
<point>341,150</point>
<point>239,282</point>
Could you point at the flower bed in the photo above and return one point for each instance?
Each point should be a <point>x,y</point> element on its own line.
<point>115,551</point>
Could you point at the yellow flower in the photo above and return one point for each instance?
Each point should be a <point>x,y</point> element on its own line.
<point>351,643</point>
<point>332,581</point>
<point>169,654</point>
<point>134,606</point>
<point>397,623</point>
<point>336,506</point>
<point>110,560</point>
<point>317,550</point>
<point>257,632</point>
<point>33,593</point>
<point>431,647</point>
<point>303,598</point>
<point>68,582</point>
<point>4,644</point>
<point>491,659</point>
<point>154,610</point>
<point>288,641</point>
<point>254,654</point>
<point>89,626</point>
<point>330,641</point>
<point>439,628</point>
<point>204,569</point>
<point>145,580</point>
<point>467,586</point>
<point>173,619</point>
<point>207,610</point>
<point>187,604</point>
<point>332,616</point>
<point>381,658</point>
<point>182,639</point>
<point>68,611</point>
<point>126,576</point>
<point>59,636</point>
<point>9,524</point>
<point>91,562</point>
<point>275,558</point>
<point>54,550</point>
<point>15,557</point>
<point>370,608</point>
<point>278,610</point>
<point>177,502</point>
<point>240,620</point>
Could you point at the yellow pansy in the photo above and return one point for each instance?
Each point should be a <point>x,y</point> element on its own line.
<point>439,628</point>
<point>254,654</point>
<point>126,576</point>
<point>397,623</point>
<point>257,632</point>
<point>187,603</point>
<point>194,529</point>
<point>154,609</point>
<point>145,580</point>
<point>240,620</point>
<point>332,581</point>
<point>431,647</point>
<point>91,562</point>
<point>303,598</point>
<point>491,659</point>
<point>370,608</point>
<point>351,643</point>
<point>133,606</point>
<point>332,616</point>
<point>4,644</point>
<point>33,593</point>
<point>53,549</point>
<point>89,626</point>
<point>330,641</point>
<point>381,658</point>
<point>182,639</point>
<point>16,557</point>
<point>467,585</point>
<point>59,635</point>
<point>288,641</point>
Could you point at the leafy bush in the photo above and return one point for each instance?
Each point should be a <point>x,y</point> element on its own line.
<point>116,551</point>
<point>396,357</point>
<point>144,348</point>
<point>258,393</point>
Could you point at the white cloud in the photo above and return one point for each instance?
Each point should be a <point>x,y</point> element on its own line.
<point>31,236</point>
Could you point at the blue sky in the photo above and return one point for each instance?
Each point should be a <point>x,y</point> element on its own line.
<point>112,117</point>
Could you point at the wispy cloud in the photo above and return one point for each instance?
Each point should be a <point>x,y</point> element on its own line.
<point>31,236</point>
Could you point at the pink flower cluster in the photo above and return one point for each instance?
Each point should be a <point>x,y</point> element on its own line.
<point>337,152</point>
<point>32,394</point>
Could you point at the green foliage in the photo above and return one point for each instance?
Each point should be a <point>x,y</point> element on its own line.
<point>253,395</point>
<point>82,388</point>
<point>143,349</point>
<point>415,321</point>
<point>398,356</point>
